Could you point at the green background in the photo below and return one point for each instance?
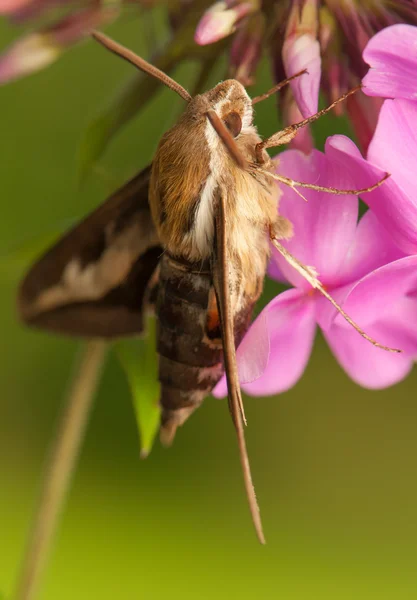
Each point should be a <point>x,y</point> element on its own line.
<point>334,465</point>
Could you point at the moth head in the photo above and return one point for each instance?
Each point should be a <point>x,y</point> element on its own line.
<point>233,106</point>
<point>227,107</point>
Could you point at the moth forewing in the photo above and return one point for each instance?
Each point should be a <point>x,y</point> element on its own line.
<point>93,281</point>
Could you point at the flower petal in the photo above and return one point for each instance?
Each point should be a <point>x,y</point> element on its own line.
<point>275,351</point>
<point>392,150</point>
<point>291,114</point>
<point>374,297</point>
<point>368,366</point>
<point>274,272</point>
<point>392,56</point>
<point>301,50</point>
<point>304,53</point>
<point>373,247</point>
<point>363,114</point>
<point>324,227</point>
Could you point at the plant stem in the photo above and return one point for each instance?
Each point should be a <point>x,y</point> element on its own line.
<point>59,468</point>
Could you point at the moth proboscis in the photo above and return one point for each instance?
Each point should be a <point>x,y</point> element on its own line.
<point>189,237</point>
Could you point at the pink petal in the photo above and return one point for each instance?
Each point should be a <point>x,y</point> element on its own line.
<point>363,114</point>
<point>373,247</point>
<point>274,272</point>
<point>393,149</point>
<point>392,56</point>
<point>300,53</point>
<point>291,114</point>
<point>368,366</point>
<point>275,351</point>
<point>324,227</point>
<point>252,355</point>
<point>394,145</point>
<point>374,297</point>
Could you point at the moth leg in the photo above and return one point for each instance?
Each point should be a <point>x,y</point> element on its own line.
<point>319,188</point>
<point>288,133</point>
<point>221,281</point>
<point>277,87</point>
<point>311,275</point>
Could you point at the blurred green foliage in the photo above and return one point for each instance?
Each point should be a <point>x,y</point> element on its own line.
<point>137,357</point>
<point>334,465</point>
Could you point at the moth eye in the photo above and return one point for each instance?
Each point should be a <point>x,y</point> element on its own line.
<point>233,123</point>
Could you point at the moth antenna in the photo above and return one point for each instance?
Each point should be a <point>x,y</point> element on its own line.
<point>277,87</point>
<point>311,276</point>
<point>226,137</point>
<point>288,133</point>
<point>318,188</point>
<point>141,64</point>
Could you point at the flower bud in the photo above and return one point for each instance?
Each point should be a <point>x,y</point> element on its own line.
<point>28,54</point>
<point>220,20</point>
<point>38,50</point>
<point>301,50</point>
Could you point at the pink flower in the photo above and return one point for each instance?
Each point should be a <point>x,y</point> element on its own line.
<point>357,263</point>
<point>392,55</point>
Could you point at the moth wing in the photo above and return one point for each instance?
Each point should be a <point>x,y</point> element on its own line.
<point>221,280</point>
<point>93,281</point>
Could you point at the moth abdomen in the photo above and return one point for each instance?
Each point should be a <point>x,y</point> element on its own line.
<point>189,364</point>
<point>191,358</point>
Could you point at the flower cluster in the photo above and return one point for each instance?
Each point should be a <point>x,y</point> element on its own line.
<point>326,37</point>
<point>370,267</point>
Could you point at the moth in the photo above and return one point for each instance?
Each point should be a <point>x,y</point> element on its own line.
<point>189,238</point>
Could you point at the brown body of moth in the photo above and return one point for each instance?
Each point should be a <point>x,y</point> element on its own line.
<point>188,237</point>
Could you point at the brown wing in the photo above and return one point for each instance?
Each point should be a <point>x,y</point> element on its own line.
<point>93,281</point>
<point>220,268</point>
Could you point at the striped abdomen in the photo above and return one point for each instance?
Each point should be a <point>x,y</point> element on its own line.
<point>190,356</point>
